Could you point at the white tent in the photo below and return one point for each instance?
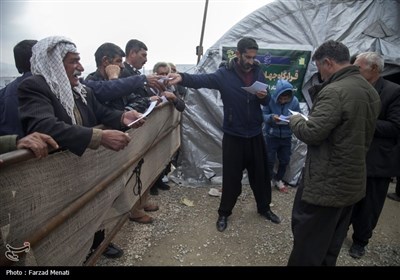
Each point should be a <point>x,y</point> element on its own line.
<point>371,25</point>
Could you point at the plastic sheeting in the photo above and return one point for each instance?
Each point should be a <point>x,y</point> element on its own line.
<point>360,25</point>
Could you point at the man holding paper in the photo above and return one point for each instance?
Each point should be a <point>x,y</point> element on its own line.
<point>243,144</point>
<point>338,133</point>
<point>54,102</point>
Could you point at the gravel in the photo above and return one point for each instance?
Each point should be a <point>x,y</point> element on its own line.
<point>184,235</point>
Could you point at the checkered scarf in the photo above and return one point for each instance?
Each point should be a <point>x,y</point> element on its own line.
<point>47,61</point>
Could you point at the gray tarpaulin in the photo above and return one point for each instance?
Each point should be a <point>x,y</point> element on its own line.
<point>300,25</point>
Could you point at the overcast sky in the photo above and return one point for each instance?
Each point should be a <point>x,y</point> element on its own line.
<point>170,29</point>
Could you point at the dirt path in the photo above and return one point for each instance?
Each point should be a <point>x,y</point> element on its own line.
<point>187,236</point>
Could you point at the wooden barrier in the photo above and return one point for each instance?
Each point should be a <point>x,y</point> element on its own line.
<point>58,203</point>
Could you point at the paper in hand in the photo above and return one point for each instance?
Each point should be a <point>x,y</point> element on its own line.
<point>285,119</point>
<point>164,78</point>
<point>296,113</point>
<point>164,99</point>
<point>148,111</point>
<point>255,87</point>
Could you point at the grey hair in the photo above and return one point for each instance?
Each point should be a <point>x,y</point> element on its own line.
<point>373,58</point>
<point>161,64</point>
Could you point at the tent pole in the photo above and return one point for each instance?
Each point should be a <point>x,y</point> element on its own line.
<point>199,49</point>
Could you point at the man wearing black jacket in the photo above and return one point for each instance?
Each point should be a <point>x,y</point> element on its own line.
<point>54,102</point>
<point>139,100</point>
<point>382,162</point>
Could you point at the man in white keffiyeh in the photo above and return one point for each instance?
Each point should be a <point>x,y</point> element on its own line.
<point>47,60</point>
<point>54,102</point>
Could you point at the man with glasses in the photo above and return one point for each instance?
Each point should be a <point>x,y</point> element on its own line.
<point>338,133</point>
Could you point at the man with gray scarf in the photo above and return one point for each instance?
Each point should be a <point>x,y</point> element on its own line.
<point>54,102</point>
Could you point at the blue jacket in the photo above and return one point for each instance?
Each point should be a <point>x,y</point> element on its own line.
<point>109,90</point>
<point>242,110</point>
<point>10,123</point>
<point>281,130</point>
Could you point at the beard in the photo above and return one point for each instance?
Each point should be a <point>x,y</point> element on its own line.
<point>245,66</point>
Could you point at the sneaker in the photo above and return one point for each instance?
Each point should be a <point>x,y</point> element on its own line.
<point>281,186</point>
<point>273,183</point>
<point>356,251</point>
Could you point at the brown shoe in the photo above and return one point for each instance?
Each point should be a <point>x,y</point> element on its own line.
<point>146,219</point>
<point>151,207</point>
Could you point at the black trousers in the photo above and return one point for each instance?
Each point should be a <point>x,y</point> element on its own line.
<point>239,154</point>
<point>98,238</point>
<point>318,232</point>
<point>366,212</point>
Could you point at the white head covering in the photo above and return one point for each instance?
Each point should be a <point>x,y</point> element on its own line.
<point>47,60</point>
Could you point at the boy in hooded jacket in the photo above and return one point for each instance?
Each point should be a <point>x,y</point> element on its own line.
<point>278,134</point>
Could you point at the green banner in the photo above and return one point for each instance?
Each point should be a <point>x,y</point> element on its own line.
<point>290,65</point>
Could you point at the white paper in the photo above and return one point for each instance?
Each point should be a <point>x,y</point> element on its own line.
<point>148,111</point>
<point>257,86</point>
<point>165,78</point>
<point>164,99</point>
<point>296,113</point>
<point>283,119</point>
<point>155,91</point>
